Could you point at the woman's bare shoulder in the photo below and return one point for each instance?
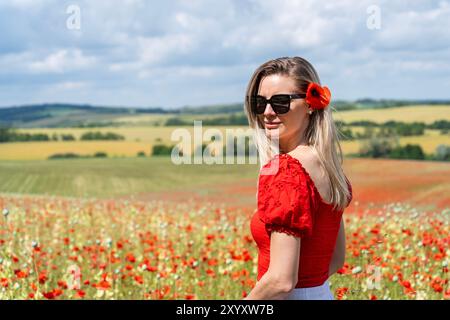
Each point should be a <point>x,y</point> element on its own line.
<point>307,157</point>
<point>310,162</point>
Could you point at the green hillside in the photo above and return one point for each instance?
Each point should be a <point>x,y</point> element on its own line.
<point>60,115</point>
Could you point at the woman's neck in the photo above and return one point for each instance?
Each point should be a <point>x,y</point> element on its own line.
<point>291,144</point>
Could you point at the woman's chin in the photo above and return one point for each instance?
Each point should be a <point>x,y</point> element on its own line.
<point>275,132</point>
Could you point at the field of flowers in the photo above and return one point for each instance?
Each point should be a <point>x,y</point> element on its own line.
<point>69,248</point>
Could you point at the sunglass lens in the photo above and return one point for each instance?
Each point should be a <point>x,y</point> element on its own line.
<point>281,104</point>
<point>259,104</point>
<point>280,109</point>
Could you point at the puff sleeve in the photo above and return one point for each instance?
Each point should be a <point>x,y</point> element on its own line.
<point>285,198</point>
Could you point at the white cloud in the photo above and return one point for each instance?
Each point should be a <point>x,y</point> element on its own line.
<point>138,51</point>
<point>154,49</point>
<point>414,29</point>
<point>62,60</point>
<point>15,63</point>
<point>71,85</point>
<point>22,4</point>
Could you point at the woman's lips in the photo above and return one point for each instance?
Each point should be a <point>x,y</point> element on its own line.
<point>272,125</point>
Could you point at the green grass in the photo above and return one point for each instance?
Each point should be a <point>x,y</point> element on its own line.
<point>112,177</point>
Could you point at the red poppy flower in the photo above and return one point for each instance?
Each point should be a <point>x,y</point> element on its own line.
<point>317,97</point>
<point>52,294</point>
<point>21,274</point>
<point>139,279</point>
<point>151,268</point>
<point>4,282</point>
<point>80,294</point>
<point>102,285</point>
<point>130,257</point>
<point>213,262</point>
<point>406,284</point>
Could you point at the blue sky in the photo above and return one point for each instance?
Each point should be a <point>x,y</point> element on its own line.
<point>173,53</point>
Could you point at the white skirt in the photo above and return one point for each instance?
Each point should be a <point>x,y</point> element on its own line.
<point>322,292</point>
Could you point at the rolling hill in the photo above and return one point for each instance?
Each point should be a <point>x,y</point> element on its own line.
<point>65,115</point>
<point>60,115</point>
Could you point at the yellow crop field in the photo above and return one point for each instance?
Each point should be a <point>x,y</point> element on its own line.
<point>434,133</point>
<point>154,119</point>
<point>163,134</point>
<point>42,150</point>
<point>421,113</point>
<point>136,134</point>
<point>136,139</point>
<point>140,137</point>
<point>428,143</point>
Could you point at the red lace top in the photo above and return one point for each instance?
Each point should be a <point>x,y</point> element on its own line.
<point>288,201</point>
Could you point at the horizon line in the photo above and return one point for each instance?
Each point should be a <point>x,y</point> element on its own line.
<point>439,101</point>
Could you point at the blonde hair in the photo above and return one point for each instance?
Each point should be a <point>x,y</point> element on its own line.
<point>322,135</point>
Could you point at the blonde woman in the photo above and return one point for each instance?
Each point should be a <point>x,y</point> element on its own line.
<point>298,225</point>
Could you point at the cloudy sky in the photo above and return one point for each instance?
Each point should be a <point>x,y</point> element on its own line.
<point>194,52</point>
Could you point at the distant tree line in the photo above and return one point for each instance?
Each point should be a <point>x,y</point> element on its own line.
<point>232,145</point>
<point>162,150</point>
<point>177,122</point>
<point>230,120</point>
<point>11,135</point>
<point>65,137</point>
<point>376,147</point>
<point>71,155</point>
<point>340,105</point>
<point>438,124</point>
<point>96,124</point>
<point>388,147</point>
<point>97,135</point>
<point>390,128</point>
<point>362,104</point>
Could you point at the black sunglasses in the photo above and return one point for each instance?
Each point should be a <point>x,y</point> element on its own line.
<point>281,103</point>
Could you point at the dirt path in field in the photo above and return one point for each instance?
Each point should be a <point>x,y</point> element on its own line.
<point>375,182</point>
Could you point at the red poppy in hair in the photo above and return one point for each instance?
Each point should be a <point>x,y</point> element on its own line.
<point>317,97</point>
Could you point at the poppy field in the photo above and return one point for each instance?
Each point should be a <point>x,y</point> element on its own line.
<point>73,248</point>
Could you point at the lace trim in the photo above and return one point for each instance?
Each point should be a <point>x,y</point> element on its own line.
<point>288,156</point>
<point>293,232</point>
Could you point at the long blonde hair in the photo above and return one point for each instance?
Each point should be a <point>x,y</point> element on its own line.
<point>322,135</point>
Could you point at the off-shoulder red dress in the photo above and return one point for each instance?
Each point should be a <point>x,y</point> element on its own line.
<point>288,201</point>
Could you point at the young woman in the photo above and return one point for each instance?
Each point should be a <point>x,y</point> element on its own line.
<point>302,189</point>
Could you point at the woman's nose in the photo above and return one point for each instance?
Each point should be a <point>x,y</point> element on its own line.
<point>269,111</point>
